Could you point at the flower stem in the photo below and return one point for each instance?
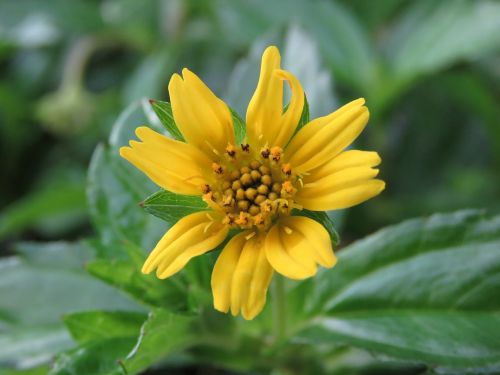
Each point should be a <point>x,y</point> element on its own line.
<point>279,301</point>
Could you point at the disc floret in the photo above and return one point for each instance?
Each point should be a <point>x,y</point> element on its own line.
<point>251,188</point>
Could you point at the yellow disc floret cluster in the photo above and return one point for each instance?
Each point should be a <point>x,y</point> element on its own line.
<point>252,188</point>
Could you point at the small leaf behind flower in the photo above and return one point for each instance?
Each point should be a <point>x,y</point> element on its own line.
<point>171,207</point>
<point>91,326</point>
<point>238,126</point>
<point>304,118</point>
<point>164,112</point>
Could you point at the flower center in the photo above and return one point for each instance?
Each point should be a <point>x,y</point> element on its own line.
<point>251,189</point>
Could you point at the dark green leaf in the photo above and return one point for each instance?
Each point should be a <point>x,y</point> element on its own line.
<point>162,334</point>
<point>425,290</point>
<point>91,326</point>
<point>171,207</point>
<point>35,293</point>
<point>164,112</point>
<point>322,218</point>
<point>96,358</point>
<point>127,276</point>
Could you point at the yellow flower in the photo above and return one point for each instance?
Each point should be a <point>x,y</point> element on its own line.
<point>254,186</point>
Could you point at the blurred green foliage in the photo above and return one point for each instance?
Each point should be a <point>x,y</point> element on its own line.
<point>430,73</point>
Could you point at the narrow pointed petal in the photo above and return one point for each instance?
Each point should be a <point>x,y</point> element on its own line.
<point>173,165</point>
<point>320,244</point>
<point>266,122</point>
<point>241,276</point>
<point>203,119</point>
<point>266,106</point>
<point>323,138</point>
<point>344,181</point>
<point>222,274</point>
<point>290,119</point>
<point>296,245</point>
<point>191,236</point>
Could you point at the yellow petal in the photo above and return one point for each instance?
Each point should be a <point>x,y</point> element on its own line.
<point>323,138</point>
<point>171,164</point>
<point>344,181</point>
<point>191,236</point>
<point>289,250</point>
<point>241,276</point>
<point>344,198</point>
<point>344,160</point>
<point>203,119</point>
<point>320,244</point>
<point>266,106</point>
<point>222,275</point>
<point>290,119</point>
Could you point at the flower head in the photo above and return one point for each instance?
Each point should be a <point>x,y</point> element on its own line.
<point>254,186</point>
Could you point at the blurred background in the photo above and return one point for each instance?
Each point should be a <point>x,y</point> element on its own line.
<point>430,71</point>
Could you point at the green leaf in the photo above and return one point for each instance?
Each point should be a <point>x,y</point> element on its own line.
<point>425,290</point>
<point>128,277</point>
<point>61,204</point>
<point>161,335</point>
<point>91,326</point>
<point>238,126</point>
<point>164,112</point>
<point>435,34</point>
<point>35,293</point>
<point>171,207</point>
<point>304,117</point>
<point>322,218</point>
<point>96,358</point>
<point>114,190</point>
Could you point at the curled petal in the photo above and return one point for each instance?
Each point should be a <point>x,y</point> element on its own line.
<point>290,119</point>
<point>266,122</point>
<point>241,276</point>
<point>266,106</point>
<point>344,181</point>
<point>323,138</point>
<point>295,245</point>
<point>173,165</point>
<point>191,236</point>
<point>203,119</point>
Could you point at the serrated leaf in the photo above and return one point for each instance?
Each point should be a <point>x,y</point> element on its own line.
<point>125,275</point>
<point>322,218</point>
<point>162,334</point>
<point>425,290</point>
<point>91,326</point>
<point>96,358</point>
<point>164,112</point>
<point>171,207</point>
<point>35,292</point>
